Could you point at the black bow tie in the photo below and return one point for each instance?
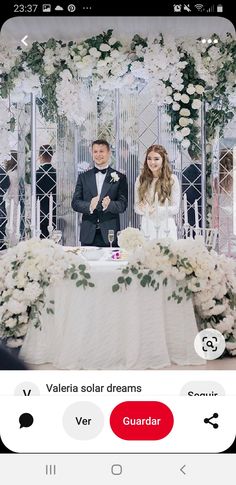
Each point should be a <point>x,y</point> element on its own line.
<point>96,170</point>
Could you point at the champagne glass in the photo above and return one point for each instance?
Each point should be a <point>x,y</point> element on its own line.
<point>117,236</point>
<point>111,236</point>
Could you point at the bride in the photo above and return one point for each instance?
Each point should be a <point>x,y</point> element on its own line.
<point>157,195</point>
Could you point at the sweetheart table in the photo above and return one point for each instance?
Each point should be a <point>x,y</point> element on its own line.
<point>136,328</point>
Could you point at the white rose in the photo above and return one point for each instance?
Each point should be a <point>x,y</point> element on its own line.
<point>185,98</point>
<point>190,89</point>
<point>177,96</point>
<point>94,52</point>
<point>176,106</point>
<point>230,345</point>
<point>185,131</point>
<point>22,330</point>
<point>13,343</point>
<point>169,90</point>
<point>183,121</point>
<point>184,112</point>
<point>112,41</point>
<point>185,143</point>
<point>199,89</point>
<point>11,322</point>
<point>115,177</point>
<point>196,104</point>
<point>178,136</point>
<point>168,100</point>
<point>104,48</point>
<point>16,307</point>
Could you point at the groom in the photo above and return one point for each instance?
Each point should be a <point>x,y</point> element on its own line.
<point>101,194</point>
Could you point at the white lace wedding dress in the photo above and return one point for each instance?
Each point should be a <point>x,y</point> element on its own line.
<point>149,223</point>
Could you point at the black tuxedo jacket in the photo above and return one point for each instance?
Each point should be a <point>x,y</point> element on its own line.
<point>86,189</point>
<point>4,185</point>
<point>46,183</point>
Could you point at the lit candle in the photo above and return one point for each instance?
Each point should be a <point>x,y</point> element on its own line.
<point>156,209</point>
<point>38,217</point>
<point>196,214</point>
<point>50,210</point>
<point>33,198</point>
<point>185,210</point>
<point>166,214</point>
<point>18,222</point>
<point>146,220</point>
<point>11,216</point>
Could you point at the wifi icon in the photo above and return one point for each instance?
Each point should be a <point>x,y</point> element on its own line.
<point>199,7</point>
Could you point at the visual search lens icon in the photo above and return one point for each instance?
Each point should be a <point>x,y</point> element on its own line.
<point>209,344</point>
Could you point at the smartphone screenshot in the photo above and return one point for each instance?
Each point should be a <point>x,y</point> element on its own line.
<point>117,243</point>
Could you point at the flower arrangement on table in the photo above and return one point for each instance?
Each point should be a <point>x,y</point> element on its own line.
<point>204,275</point>
<point>26,271</point>
<point>130,239</point>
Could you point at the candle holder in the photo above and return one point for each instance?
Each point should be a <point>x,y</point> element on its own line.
<point>167,232</point>
<point>11,238</point>
<point>146,237</point>
<point>50,231</point>
<point>197,231</point>
<point>37,233</point>
<point>32,230</point>
<point>8,237</point>
<point>186,229</point>
<point>157,232</point>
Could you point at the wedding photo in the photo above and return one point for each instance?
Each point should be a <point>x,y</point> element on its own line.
<point>117,168</point>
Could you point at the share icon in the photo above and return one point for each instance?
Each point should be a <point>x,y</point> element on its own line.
<point>208,420</point>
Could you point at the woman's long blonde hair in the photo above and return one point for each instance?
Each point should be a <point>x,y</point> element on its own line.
<point>164,182</point>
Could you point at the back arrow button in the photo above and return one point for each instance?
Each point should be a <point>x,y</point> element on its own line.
<point>182,469</point>
<point>24,39</point>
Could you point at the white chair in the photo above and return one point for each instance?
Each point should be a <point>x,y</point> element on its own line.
<point>210,235</point>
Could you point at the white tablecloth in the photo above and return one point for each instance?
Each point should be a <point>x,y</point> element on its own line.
<point>137,328</point>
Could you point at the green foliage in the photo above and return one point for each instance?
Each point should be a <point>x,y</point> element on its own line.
<point>80,275</point>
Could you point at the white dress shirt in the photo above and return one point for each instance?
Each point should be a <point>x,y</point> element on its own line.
<point>100,177</point>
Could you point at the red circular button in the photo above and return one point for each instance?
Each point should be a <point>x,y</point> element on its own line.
<point>141,420</point>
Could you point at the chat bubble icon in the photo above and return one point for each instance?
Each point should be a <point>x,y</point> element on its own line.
<point>26,420</point>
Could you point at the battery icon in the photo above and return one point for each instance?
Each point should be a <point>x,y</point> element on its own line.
<point>219,8</point>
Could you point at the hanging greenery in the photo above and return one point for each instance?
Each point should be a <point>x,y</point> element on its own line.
<point>180,73</point>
